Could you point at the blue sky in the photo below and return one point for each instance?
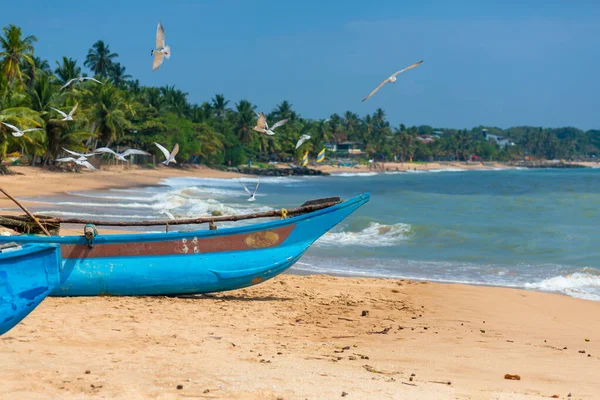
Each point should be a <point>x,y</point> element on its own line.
<point>502,63</point>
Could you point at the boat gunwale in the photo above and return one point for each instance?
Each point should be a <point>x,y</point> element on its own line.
<point>26,249</point>
<point>199,233</point>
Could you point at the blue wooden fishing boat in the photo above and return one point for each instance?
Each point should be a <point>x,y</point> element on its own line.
<point>199,261</point>
<point>28,274</point>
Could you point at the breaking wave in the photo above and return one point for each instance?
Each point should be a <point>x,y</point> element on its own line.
<point>351,174</point>
<point>375,235</point>
<point>585,284</point>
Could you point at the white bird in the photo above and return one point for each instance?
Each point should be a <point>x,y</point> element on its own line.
<point>161,51</point>
<point>170,157</point>
<point>16,132</point>
<point>302,139</point>
<point>79,155</point>
<point>81,79</point>
<point>79,161</point>
<point>167,213</point>
<point>263,127</point>
<point>67,117</point>
<point>391,79</point>
<point>252,198</point>
<point>121,156</point>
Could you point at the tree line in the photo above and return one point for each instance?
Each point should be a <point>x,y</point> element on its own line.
<point>123,113</point>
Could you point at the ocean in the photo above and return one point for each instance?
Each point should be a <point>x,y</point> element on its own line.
<point>533,229</point>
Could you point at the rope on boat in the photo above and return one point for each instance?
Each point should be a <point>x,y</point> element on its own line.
<point>283,213</point>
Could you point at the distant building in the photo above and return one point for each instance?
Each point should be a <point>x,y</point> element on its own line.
<point>426,138</point>
<point>344,148</point>
<point>500,140</point>
<point>352,148</point>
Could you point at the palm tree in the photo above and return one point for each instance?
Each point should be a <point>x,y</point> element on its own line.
<point>16,51</point>
<point>43,93</point>
<point>100,60</point>
<point>283,111</point>
<point>244,120</point>
<point>118,75</point>
<point>219,105</point>
<point>60,134</point>
<point>175,99</point>
<point>67,70</point>
<point>31,71</point>
<point>108,112</point>
<point>21,117</point>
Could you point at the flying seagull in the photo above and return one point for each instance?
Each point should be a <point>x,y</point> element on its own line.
<point>16,132</point>
<point>167,213</point>
<point>170,157</point>
<point>66,117</point>
<point>80,79</point>
<point>302,139</point>
<point>263,127</point>
<point>161,51</point>
<point>252,198</point>
<point>79,155</point>
<point>392,79</point>
<point>79,161</point>
<point>121,156</point>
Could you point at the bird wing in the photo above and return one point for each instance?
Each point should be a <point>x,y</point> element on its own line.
<point>105,150</point>
<point>376,89</point>
<point>407,68</point>
<point>73,110</point>
<point>158,59</point>
<point>256,188</point>
<point>175,150</point>
<point>262,121</point>
<point>86,164</point>
<point>246,188</point>
<point>60,112</point>
<point>65,159</point>
<point>93,79</point>
<point>14,128</point>
<point>134,151</point>
<point>160,36</point>
<point>32,129</point>
<point>303,139</point>
<point>72,152</point>
<point>68,83</point>
<point>164,151</point>
<point>279,123</point>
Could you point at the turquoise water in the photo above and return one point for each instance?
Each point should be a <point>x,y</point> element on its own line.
<point>535,229</point>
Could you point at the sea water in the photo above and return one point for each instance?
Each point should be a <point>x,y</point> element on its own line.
<point>536,229</point>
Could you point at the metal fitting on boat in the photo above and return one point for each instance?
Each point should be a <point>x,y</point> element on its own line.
<point>90,232</point>
<point>212,226</point>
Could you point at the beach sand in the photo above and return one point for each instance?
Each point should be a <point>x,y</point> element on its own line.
<point>298,337</point>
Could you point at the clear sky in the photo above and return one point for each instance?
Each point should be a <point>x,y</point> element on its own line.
<point>502,63</point>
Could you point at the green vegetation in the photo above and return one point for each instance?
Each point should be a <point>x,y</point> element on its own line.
<point>123,113</point>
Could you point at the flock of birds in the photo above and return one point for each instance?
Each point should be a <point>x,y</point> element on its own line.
<point>161,51</point>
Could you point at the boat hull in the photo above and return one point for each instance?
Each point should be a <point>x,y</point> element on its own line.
<point>200,261</point>
<point>27,276</point>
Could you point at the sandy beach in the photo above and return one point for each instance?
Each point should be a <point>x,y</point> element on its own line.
<point>297,337</point>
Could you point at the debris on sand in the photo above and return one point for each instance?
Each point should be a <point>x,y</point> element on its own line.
<point>376,371</point>
<point>512,377</point>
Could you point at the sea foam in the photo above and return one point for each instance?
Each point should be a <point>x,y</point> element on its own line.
<point>375,235</point>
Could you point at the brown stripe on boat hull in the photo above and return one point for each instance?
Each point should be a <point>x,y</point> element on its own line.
<point>189,245</point>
